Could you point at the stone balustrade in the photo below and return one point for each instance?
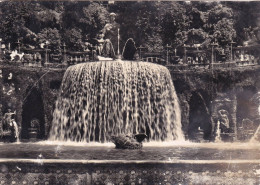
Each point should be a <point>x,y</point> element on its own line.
<point>47,58</point>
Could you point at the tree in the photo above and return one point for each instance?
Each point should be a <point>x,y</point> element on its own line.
<point>94,18</point>
<point>50,36</point>
<point>220,24</point>
<point>12,21</point>
<point>24,20</point>
<point>245,18</point>
<point>148,25</point>
<point>140,21</point>
<point>73,39</point>
<point>224,31</point>
<point>174,23</point>
<point>72,14</point>
<point>126,17</point>
<point>219,12</point>
<point>196,36</point>
<point>213,22</point>
<point>151,24</point>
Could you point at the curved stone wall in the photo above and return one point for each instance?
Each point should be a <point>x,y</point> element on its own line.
<point>238,84</point>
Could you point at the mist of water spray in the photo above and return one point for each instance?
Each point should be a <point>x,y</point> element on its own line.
<point>101,99</point>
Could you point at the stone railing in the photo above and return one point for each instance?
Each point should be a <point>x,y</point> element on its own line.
<point>206,66</point>
<point>247,62</point>
<point>43,58</point>
<point>183,67</point>
<point>77,57</point>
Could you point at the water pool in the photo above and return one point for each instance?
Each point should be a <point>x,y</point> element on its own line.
<point>150,151</point>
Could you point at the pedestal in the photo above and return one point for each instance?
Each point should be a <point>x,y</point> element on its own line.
<point>118,57</point>
<point>199,136</point>
<point>33,132</point>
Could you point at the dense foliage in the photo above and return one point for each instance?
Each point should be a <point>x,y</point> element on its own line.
<point>150,24</point>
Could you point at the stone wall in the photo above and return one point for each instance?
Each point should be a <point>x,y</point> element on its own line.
<point>130,173</point>
<point>19,83</point>
<point>206,85</point>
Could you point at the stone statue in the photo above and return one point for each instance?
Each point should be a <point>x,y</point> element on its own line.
<point>10,124</point>
<point>8,117</point>
<point>223,119</point>
<point>128,142</point>
<point>110,36</point>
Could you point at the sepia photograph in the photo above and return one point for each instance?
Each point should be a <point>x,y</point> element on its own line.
<point>129,92</point>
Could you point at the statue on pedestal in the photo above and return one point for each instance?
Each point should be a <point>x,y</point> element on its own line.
<point>223,119</point>
<point>110,38</point>
<point>10,125</point>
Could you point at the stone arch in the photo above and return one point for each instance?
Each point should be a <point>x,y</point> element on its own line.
<point>33,109</point>
<point>247,112</point>
<point>245,105</point>
<point>199,115</point>
<point>55,84</point>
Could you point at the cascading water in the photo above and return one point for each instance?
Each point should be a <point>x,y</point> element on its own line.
<point>101,99</point>
<point>256,136</point>
<point>218,132</point>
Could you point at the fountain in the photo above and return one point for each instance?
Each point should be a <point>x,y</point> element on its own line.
<point>218,132</point>
<point>104,98</point>
<point>129,49</point>
<point>256,135</point>
<point>101,99</point>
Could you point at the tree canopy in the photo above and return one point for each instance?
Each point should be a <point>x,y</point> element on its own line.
<point>150,24</point>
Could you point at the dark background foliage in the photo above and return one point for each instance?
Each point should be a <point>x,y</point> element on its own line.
<point>150,24</point>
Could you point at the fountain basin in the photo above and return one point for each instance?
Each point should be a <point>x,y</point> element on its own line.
<point>208,163</point>
<point>128,172</point>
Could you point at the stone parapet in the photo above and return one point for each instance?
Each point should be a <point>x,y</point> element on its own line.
<point>43,171</point>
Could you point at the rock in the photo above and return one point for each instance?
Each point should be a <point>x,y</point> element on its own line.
<point>128,142</point>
